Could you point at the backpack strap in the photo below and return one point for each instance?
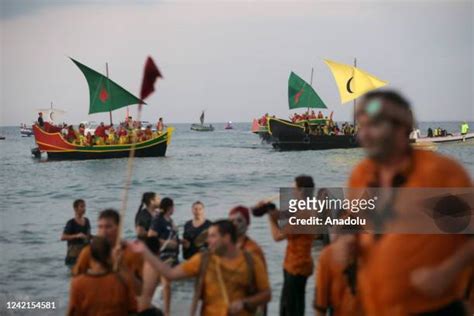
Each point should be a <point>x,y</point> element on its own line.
<point>199,281</point>
<point>252,289</point>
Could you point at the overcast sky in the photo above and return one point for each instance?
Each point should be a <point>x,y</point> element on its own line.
<point>233,58</point>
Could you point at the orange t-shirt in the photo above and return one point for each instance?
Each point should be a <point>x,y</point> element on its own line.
<point>235,276</point>
<point>386,264</point>
<point>101,295</point>
<point>251,246</point>
<point>332,289</point>
<point>132,261</point>
<point>298,260</point>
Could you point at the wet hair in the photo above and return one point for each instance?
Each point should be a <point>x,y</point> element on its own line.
<point>101,251</point>
<point>304,181</point>
<point>78,202</point>
<point>197,203</point>
<point>226,227</point>
<point>110,214</point>
<point>166,204</point>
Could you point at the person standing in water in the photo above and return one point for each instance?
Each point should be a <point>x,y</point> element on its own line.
<point>193,228</point>
<point>100,291</point>
<point>390,274</point>
<point>298,263</point>
<point>77,232</point>
<point>164,228</point>
<point>240,216</point>
<point>229,281</point>
<point>145,214</point>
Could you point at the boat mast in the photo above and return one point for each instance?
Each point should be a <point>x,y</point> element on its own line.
<point>354,104</point>
<point>107,74</point>
<point>311,84</point>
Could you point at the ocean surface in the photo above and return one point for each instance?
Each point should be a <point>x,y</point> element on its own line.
<point>223,168</point>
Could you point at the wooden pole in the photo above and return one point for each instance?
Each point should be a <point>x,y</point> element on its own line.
<point>107,74</point>
<point>311,84</point>
<point>354,105</point>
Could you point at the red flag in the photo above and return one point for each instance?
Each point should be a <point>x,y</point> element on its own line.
<point>150,74</point>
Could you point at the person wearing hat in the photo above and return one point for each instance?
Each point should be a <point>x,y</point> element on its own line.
<point>240,216</point>
<point>388,262</point>
<point>40,119</point>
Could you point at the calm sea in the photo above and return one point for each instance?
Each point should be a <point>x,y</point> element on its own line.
<point>222,168</point>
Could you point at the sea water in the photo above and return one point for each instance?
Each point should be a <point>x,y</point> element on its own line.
<point>222,169</point>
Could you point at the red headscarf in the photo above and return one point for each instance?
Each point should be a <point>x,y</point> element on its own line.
<point>245,212</point>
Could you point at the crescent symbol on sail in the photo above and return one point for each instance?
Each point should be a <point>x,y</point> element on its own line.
<point>348,85</point>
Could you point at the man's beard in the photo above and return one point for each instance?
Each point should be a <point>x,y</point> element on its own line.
<point>220,250</point>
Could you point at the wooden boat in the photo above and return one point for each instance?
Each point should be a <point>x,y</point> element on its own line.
<point>101,89</point>
<point>445,139</point>
<point>57,147</point>
<point>202,127</point>
<point>290,136</point>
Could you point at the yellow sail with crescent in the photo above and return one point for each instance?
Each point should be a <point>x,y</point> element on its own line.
<point>352,82</point>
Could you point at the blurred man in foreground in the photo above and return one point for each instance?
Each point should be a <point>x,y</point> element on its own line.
<point>386,262</point>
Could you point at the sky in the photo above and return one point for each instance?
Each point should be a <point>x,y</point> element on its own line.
<point>233,58</point>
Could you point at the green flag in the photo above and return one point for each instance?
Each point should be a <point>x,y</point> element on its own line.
<point>302,95</point>
<point>105,95</point>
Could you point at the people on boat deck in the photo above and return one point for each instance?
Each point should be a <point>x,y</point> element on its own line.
<point>159,126</point>
<point>229,281</point>
<point>40,119</point>
<point>77,232</point>
<point>320,115</point>
<point>195,231</point>
<point>464,128</point>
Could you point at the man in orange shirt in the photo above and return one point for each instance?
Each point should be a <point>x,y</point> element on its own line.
<point>99,291</point>
<point>388,261</point>
<point>333,293</point>
<point>143,276</point>
<point>298,263</point>
<point>230,281</point>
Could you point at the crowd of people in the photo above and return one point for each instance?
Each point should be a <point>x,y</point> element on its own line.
<point>316,124</point>
<point>126,132</point>
<point>356,273</point>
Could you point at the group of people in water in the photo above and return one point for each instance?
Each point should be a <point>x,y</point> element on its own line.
<point>355,273</point>
<point>127,132</point>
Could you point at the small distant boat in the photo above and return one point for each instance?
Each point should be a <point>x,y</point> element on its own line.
<point>445,139</point>
<point>26,131</point>
<point>2,137</point>
<point>229,125</point>
<point>202,127</point>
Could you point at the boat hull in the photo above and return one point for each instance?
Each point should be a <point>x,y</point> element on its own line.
<point>57,148</point>
<point>202,128</point>
<point>445,139</point>
<point>289,136</point>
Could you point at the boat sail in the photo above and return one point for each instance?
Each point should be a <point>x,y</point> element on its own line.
<point>202,127</point>
<point>105,96</point>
